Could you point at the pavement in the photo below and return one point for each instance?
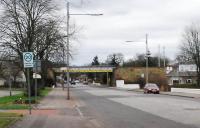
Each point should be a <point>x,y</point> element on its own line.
<point>55,111</point>
<point>180,94</point>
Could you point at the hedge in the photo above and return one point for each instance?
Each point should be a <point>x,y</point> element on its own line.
<point>186,86</point>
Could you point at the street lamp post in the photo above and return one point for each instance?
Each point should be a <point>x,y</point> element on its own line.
<point>147,60</point>
<point>147,54</point>
<point>68,54</point>
<point>68,16</point>
<point>36,72</point>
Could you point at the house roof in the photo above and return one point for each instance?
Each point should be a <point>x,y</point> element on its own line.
<point>176,73</point>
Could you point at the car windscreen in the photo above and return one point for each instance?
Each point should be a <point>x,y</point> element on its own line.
<point>152,86</point>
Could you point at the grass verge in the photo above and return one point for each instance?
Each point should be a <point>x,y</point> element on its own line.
<point>7,119</point>
<point>7,102</point>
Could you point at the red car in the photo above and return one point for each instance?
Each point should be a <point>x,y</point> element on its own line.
<point>151,88</point>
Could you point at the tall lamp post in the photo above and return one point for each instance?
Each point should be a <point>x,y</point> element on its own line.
<point>147,59</point>
<point>68,54</point>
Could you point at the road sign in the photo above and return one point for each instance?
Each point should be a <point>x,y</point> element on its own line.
<point>28,59</point>
<point>38,63</point>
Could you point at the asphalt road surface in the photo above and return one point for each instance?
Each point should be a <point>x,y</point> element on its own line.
<point>122,109</point>
<point>92,107</point>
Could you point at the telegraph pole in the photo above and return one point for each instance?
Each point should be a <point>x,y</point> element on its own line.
<point>63,64</point>
<point>164,57</point>
<point>147,60</point>
<point>159,55</point>
<point>68,16</point>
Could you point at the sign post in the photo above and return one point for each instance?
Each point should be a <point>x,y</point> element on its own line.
<point>36,69</point>
<point>28,63</point>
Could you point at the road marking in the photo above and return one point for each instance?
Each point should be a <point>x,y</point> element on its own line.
<point>79,111</point>
<point>95,123</point>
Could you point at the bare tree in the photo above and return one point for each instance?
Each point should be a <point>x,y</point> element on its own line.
<point>3,66</point>
<point>95,61</point>
<point>115,59</point>
<point>190,48</point>
<point>28,26</point>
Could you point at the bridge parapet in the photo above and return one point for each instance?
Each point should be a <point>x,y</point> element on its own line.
<point>84,69</point>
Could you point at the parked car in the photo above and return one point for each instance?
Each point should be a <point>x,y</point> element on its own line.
<point>77,81</point>
<point>85,82</point>
<point>73,82</point>
<point>151,88</point>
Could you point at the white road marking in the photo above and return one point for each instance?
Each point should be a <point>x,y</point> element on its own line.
<point>79,111</point>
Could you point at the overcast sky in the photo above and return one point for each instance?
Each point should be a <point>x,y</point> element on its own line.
<point>163,20</point>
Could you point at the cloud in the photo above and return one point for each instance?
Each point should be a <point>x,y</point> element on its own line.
<point>123,20</point>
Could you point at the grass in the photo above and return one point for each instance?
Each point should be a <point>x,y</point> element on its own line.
<point>7,119</point>
<point>5,114</point>
<point>7,102</point>
<point>45,92</point>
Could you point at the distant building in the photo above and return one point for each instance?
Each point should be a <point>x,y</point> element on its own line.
<point>187,68</point>
<point>2,81</point>
<point>182,74</point>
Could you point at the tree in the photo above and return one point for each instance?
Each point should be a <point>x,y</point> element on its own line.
<point>95,61</point>
<point>115,59</point>
<point>140,61</point>
<point>3,65</point>
<point>190,47</point>
<point>27,25</point>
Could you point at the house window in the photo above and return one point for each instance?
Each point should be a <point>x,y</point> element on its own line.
<point>175,82</point>
<point>189,81</point>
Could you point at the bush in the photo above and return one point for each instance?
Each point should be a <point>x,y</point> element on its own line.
<point>32,101</point>
<point>134,75</point>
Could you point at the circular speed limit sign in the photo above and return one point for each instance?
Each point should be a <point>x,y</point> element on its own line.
<point>28,59</point>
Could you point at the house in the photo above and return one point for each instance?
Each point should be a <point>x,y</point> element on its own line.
<point>182,74</point>
<point>2,81</point>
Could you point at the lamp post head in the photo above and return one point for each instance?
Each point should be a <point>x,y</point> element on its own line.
<point>128,41</point>
<point>97,14</point>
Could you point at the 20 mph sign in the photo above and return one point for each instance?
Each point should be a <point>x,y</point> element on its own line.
<point>28,59</point>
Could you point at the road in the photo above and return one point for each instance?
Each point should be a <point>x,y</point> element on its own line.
<point>93,107</point>
<point>122,109</point>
